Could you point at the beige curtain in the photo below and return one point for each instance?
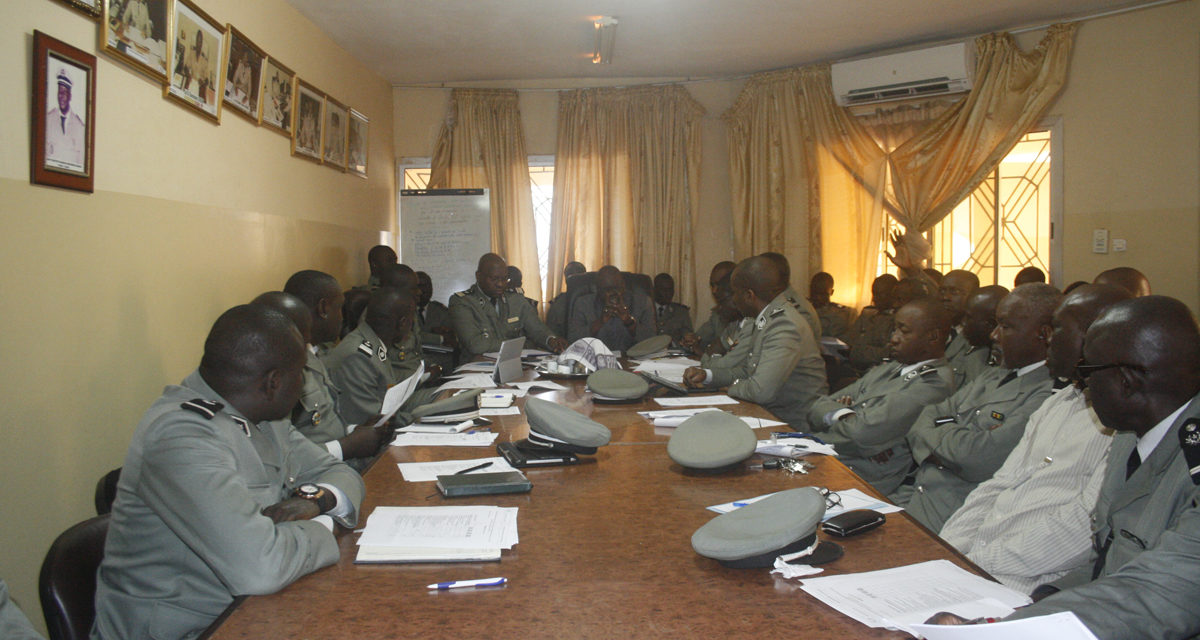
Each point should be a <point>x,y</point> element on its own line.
<point>625,182</point>
<point>482,145</point>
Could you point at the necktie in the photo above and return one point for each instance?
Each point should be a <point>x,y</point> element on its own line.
<point>1131,465</point>
<point>63,121</point>
<point>1012,375</point>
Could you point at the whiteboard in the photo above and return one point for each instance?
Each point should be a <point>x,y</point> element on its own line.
<point>443,232</point>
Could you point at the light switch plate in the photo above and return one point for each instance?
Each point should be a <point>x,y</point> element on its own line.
<point>1099,240</point>
<point>1118,244</point>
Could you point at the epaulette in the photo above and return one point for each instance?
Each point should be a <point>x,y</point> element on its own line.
<point>1189,442</point>
<point>920,371</point>
<point>461,293</point>
<point>941,420</point>
<point>776,312</point>
<point>366,348</point>
<point>206,408</point>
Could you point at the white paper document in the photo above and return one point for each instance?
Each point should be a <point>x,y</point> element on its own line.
<point>525,353</point>
<point>477,439</point>
<point>502,411</point>
<point>761,423</point>
<point>536,386</point>
<point>467,527</point>
<point>429,471</point>
<point>673,417</point>
<point>1056,626</point>
<point>422,427</point>
<point>475,367</point>
<point>398,393</point>
<point>901,597</point>
<point>470,381</point>
<point>667,368</point>
<point>691,401</point>
<point>793,447</point>
<point>851,499</point>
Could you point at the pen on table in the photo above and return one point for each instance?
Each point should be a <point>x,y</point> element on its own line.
<point>474,468</point>
<point>459,584</point>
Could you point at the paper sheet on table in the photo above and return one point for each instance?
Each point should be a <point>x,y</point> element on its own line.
<point>793,447</point>
<point>761,423</point>
<point>421,427</point>
<point>691,401</point>
<point>1056,626</point>
<point>851,499</point>
<point>525,353</point>
<point>467,527</point>
<point>475,367</point>
<point>477,439</point>
<point>785,570</point>
<point>668,368</point>
<point>500,411</point>
<point>673,417</point>
<point>470,381</point>
<point>901,597</point>
<point>543,385</point>
<point>429,471</point>
<point>398,393</point>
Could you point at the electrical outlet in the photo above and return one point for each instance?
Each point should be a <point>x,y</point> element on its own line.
<point>1118,244</point>
<point>1099,240</point>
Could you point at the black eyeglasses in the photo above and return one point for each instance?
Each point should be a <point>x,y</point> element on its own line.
<point>1083,370</point>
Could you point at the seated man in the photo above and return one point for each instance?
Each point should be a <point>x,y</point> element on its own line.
<point>359,364</point>
<point>406,354</point>
<point>1143,578</point>
<point>378,257</point>
<point>872,331</point>
<point>956,289</point>
<point>978,323</point>
<point>485,315</point>
<point>776,362</point>
<point>803,306</point>
<point>867,421</point>
<point>716,334</point>
<point>516,284</point>
<point>219,496</point>
<point>835,318</point>
<point>1127,278</point>
<point>618,318</point>
<point>432,315</point>
<point>673,319</point>
<point>1029,523</point>
<point>557,313</point>
<point>962,441</point>
<point>318,295</point>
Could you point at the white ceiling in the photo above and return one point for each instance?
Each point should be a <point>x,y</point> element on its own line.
<point>434,41</point>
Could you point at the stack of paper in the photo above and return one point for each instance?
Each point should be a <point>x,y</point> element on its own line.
<point>667,368</point>
<point>437,534</point>
<point>469,381</point>
<point>901,597</point>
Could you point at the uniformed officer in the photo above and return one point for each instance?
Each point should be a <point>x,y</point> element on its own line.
<point>978,323</point>
<point>557,313</point>
<point>803,306</point>
<point>359,364</point>
<point>722,320</point>
<point>835,318</point>
<point>958,443</point>
<point>614,315</point>
<point>776,362</point>
<point>867,421</point>
<point>65,131</point>
<point>434,320</point>
<point>872,331</point>
<point>1144,582</point>
<point>484,315</point>
<point>672,318</point>
<point>378,257</point>
<point>956,289</point>
<point>406,354</point>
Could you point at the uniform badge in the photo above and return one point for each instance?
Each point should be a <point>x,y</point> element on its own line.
<point>1189,442</point>
<point>366,349</point>
<point>244,424</point>
<point>760,322</point>
<point>910,375</point>
<point>996,415</point>
<point>381,353</point>
<point>516,319</point>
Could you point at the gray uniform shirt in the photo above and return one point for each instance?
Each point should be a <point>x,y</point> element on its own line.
<point>481,328</point>
<point>776,362</point>
<point>360,368</point>
<point>187,533</point>
<point>870,337</point>
<point>966,360</point>
<point>13,623</point>
<point>316,415</point>
<point>971,434</point>
<point>589,307</point>
<point>674,319</point>
<point>835,320</point>
<point>886,402</point>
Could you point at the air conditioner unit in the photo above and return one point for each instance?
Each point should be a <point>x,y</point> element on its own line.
<point>912,74</point>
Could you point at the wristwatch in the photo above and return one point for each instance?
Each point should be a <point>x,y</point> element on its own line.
<point>316,493</point>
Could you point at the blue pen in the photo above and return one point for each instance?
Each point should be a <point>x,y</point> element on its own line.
<point>460,584</point>
<point>790,434</point>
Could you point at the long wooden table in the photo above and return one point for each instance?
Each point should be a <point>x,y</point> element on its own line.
<point>604,552</point>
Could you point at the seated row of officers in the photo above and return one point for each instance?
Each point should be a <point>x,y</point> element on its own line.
<point>973,415</point>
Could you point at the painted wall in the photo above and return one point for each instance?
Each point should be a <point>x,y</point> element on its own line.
<point>108,296</point>
<point>1131,122</point>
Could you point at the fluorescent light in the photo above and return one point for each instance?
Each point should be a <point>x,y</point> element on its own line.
<point>606,35</point>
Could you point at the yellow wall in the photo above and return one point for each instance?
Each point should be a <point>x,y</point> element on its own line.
<point>108,296</point>
<point>1130,118</point>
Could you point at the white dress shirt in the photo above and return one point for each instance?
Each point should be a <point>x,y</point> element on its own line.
<point>1031,522</point>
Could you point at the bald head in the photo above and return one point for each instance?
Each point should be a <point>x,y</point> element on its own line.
<point>380,256</point>
<point>1070,323</point>
<point>756,281</point>
<point>254,358</point>
<point>322,294</point>
<point>290,306</point>
<point>980,317</point>
<point>1127,278</point>
<point>781,265</point>
<point>399,276</point>
<point>609,278</point>
<point>1153,344</point>
<point>820,288</point>
<point>1029,275</point>
<point>910,289</point>
<point>573,268</point>
<point>1023,324</point>
<point>491,275</point>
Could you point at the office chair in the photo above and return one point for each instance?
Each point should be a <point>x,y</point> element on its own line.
<point>106,491</point>
<point>67,583</point>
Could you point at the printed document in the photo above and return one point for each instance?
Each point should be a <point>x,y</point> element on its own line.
<point>398,393</point>
<point>690,401</point>
<point>467,527</point>
<point>1056,626</point>
<point>429,471</point>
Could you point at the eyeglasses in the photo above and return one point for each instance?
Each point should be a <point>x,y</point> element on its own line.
<point>1083,370</point>
<point>832,499</point>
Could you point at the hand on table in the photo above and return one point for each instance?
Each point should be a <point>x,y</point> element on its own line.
<point>694,377</point>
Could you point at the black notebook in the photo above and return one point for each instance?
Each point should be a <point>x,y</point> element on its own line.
<point>477,484</point>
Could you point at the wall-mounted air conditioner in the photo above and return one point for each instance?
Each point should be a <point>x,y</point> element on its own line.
<point>899,76</point>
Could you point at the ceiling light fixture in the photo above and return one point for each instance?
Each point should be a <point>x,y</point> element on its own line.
<point>606,35</point>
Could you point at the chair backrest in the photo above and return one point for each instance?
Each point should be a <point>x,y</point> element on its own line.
<point>67,583</point>
<point>106,491</point>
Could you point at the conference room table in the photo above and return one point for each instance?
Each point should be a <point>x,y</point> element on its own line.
<point>604,552</point>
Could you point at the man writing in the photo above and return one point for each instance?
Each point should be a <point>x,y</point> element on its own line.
<point>219,496</point>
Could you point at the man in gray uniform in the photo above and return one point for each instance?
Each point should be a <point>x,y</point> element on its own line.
<point>867,421</point>
<point>485,316</point>
<point>432,315</point>
<point>1141,373</point>
<point>962,441</point>
<point>316,415</point>
<point>776,362</point>
<point>977,326</point>
<point>359,364</point>
<point>219,496</point>
<point>613,315</point>
<point>717,333</point>
<point>956,289</point>
<point>13,623</point>
<point>872,331</point>
<point>835,318</point>
<point>672,318</point>
<point>803,306</point>
<point>379,257</point>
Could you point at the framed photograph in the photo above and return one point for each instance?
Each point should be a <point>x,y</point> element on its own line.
<point>197,68</point>
<point>306,130</point>
<point>63,132</point>
<point>278,87</point>
<point>243,74</point>
<point>337,116</point>
<point>356,146</point>
<point>90,7</point>
<point>135,32</point>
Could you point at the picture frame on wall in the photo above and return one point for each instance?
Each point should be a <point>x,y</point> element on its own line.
<point>135,32</point>
<point>356,144</point>
<point>63,130</point>
<point>243,74</point>
<point>196,60</point>
<point>90,7</point>
<point>333,146</point>
<point>278,91</point>
<point>306,126</point>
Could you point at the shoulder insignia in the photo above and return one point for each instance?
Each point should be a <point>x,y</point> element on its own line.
<point>776,312</point>
<point>381,353</point>
<point>460,293</point>
<point>366,348</point>
<point>760,322</point>
<point>937,422</point>
<point>926,369</point>
<point>206,408</point>
<point>1189,442</point>
<point>244,424</point>
<point>516,319</point>
<point>911,374</point>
